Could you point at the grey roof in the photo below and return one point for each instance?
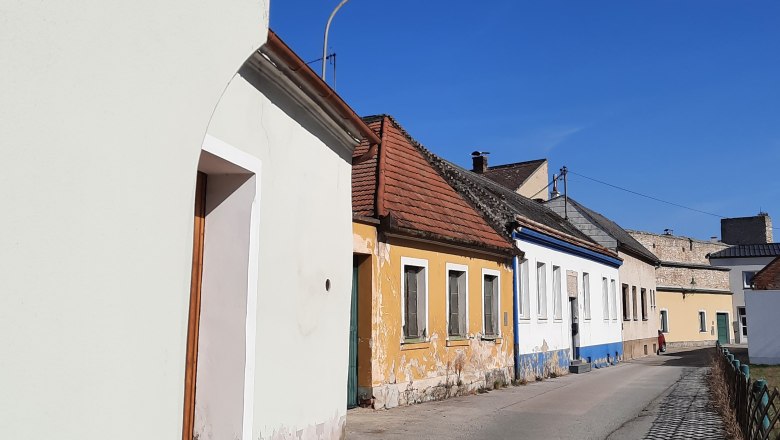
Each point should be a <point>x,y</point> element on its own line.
<point>624,239</point>
<point>513,175</point>
<point>502,204</point>
<point>749,250</point>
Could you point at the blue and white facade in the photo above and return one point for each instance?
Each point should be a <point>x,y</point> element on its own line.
<point>557,284</point>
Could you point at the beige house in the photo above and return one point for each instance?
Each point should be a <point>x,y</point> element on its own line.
<point>637,283</point>
<point>693,298</point>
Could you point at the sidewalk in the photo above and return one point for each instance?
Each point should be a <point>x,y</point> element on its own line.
<point>686,412</point>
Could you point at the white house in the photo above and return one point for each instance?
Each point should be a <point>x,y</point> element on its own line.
<point>119,121</point>
<point>762,303</point>
<point>566,302</point>
<point>752,250</point>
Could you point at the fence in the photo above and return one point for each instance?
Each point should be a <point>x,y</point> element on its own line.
<point>757,408</point>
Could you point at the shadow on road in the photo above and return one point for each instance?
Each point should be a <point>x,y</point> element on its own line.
<point>683,357</point>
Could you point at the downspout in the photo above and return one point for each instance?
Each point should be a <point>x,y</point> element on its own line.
<point>516,312</point>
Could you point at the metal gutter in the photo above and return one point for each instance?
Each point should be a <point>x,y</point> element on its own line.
<point>305,78</point>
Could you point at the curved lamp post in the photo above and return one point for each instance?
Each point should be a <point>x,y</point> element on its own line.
<point>325,42</point>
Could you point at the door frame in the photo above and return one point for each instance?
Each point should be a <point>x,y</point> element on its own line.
<point>742,338</point>
<point>239,159</point>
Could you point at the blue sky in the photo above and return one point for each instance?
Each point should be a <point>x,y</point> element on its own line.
<point>677,99</point>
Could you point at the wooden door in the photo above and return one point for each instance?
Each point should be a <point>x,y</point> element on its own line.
<point>723,328</point>
<point>353,341</point>
<point>191,366</point>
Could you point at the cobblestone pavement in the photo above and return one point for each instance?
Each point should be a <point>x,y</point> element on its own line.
<point>686,412</point>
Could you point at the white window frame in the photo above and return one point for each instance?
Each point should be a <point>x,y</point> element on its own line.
<point>616,304</point>
<point>745,283</point>
<point>557,296</point>
<point>586,295</point>
<point>541,296</point>
<point>416,262</point>
<point>457,268</point>
<point>605,297</point>
<point>525,289</point>
<point>497,299</point>
<point>701,313</point>
<point>668,321</point>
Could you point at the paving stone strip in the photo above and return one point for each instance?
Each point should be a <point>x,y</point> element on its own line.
<point>687,413</point>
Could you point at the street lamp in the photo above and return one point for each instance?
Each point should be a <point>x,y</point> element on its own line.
<point>325,42</point>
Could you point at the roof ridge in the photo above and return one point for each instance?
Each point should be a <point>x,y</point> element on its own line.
<point>507,165</point>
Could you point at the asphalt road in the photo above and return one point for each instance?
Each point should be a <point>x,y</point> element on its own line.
<point>618,402</point>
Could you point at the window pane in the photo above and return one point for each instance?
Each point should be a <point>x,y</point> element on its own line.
<point>586,294</point>
<point>558,313</point>
<point>411,328</point>
<point>605,297</point>
<point>488,306</point>
<point>541,290</point>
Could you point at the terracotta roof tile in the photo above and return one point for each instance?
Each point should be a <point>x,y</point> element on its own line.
<point>415,198</point>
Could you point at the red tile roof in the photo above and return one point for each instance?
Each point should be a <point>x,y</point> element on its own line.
<point>399,186</point>
<point>768,278</point>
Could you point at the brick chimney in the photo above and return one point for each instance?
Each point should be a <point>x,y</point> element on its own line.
<point>479,161</point>
<point>746,230</point>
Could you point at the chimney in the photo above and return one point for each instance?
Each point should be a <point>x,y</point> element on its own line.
<point>555,192</point>
<point>747,230</point>
<point>479,161</point>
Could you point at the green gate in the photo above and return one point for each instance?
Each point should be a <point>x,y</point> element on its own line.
<point>353,342</point>
<point>723,328</point>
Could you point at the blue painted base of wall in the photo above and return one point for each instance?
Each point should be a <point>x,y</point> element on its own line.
<point>542,364</point>
<point>601,355</point>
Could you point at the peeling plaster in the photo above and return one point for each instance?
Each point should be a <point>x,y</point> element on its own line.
<point>334,428</point>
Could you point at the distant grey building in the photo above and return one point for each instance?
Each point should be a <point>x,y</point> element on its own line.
<point>637,283</point>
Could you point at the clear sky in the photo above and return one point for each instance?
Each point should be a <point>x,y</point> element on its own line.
<point>677,99</point>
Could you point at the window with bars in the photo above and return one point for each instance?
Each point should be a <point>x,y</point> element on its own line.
<point>457,297</point>
<point>414,302</point>
<point>490,303</point>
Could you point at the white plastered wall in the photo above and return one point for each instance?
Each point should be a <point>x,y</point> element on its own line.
<point>763,343</point>
<point>535,333</point>
<point>105,108</point>
<point>305,239</point>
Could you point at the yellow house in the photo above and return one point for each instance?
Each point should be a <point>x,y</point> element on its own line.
<point>693,299</point>
<point>432,296</point>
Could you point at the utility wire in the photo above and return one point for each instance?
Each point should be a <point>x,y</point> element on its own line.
<point>648,197</point>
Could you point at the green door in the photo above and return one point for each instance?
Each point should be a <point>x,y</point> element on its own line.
<point>353,342</point>
<point>723,328</point>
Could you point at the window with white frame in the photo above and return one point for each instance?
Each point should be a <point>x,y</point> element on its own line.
<point>747,279</point>
<point>457,300</point>
<point>613,292</point>
<point>414,285</point>
<point>702,321</point>
<point>586,294</point>
<point>557,306</point>
<point>491,298</point>
<point>541,290</point>
<point>665,321</point>
<point>605,297</point>
<point>634,302</point>
<point>525,294</point>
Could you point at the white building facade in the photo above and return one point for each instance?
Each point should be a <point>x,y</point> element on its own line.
<point>118,119</point>
<point>568,304</point>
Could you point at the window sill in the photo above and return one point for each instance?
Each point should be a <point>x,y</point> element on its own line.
<point>493,338</point>
<point>645,319</point>
<point>415,345</point>
<point>460,342</point>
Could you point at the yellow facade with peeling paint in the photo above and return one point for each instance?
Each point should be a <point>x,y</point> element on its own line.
<point>394,372</point>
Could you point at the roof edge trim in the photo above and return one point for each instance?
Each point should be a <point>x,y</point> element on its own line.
<point>532,236</point>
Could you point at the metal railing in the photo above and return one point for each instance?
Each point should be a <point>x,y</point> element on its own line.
<point>756,406</point>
